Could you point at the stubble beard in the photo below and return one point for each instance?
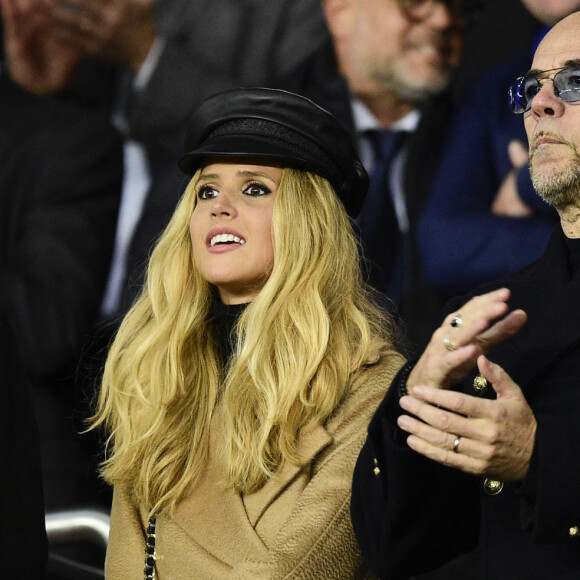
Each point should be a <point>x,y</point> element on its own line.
<point>412,81</point>
<point>559,188</point>
<point>400,81</point>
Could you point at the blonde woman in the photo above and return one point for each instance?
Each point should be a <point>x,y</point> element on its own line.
<point>238,390</point>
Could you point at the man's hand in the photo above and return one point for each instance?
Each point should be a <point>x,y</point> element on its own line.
<point>493,438</point>
<point>37,60</point>
<point>507,201</point>
<point>452,352</point>
<point>121,31</point>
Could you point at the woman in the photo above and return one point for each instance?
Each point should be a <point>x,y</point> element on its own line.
<point>239,387</point>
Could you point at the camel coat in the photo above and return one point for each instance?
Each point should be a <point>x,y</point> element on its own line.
<point>296,526</point>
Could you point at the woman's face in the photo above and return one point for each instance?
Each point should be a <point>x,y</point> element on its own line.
<point>231,227</point>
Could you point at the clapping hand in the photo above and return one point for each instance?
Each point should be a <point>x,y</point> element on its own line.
<point>494,438</point>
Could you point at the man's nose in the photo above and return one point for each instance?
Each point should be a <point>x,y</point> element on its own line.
<point>546,103</point>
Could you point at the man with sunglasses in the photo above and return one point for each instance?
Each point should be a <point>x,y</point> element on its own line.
<point>476,457</point>
<point>385,75</point>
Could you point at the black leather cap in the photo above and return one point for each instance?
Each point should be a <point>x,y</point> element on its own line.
<point>279,125</point>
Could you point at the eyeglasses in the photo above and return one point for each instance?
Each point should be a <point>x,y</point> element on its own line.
<point>566,87</point>
<point>419,10</point>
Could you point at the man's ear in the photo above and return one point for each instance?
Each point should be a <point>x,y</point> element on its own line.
<point>338,15</point>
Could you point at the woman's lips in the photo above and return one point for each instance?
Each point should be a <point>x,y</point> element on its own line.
<point>223,240</point>
<point>226,239</point>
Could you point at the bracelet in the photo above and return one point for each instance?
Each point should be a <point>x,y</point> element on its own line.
<point>402,376</point>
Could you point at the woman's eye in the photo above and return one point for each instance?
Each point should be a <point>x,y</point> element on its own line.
<point>207,192</point>
<point>257,189</point>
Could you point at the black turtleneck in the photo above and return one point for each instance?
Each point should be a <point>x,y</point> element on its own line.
<point>224,318</point>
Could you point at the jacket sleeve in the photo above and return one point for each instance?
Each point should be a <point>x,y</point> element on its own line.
<point>126,547</point>
<point>318,537</point>
<point>57,258</point>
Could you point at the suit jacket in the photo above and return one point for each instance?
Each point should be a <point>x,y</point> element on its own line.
<point>296,526</point>
<point>318,79</point>
<point>213,46</point>
<point>419,514</point>
<point>60,181</point>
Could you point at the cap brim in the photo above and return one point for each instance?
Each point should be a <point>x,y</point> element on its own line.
<point>232,146</point>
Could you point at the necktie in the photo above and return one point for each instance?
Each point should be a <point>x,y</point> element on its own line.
<point>379,229</point>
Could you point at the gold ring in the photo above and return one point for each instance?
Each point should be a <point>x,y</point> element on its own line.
<point>456,445</point>
<point>448,344</point>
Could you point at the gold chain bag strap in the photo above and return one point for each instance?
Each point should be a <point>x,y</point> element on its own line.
<point>150,555</point>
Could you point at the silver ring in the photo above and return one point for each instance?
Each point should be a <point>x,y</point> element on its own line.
<point>456,320</point>
<point>447,343</point>
<point>456,445</point>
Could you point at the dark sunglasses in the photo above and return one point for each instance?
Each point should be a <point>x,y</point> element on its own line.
<point>566,87</point>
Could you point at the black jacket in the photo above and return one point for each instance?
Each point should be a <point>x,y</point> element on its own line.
<point>417,514</point>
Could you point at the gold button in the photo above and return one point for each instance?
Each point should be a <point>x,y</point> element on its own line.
<point>492,486</point>
<point>574,532</point>
<point>480,384</point>
<point>376,470</point>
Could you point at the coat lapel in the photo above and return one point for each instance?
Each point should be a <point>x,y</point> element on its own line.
<point>211,510</point>
<point>312,441</point>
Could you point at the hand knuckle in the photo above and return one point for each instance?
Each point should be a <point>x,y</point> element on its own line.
<point>444,422</point>
<point>492,435</point>
<point>486,458</point>
<point>457,402</point>
<point>448,459</point>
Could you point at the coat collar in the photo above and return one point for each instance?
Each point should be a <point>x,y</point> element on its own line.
<point>311,443</point>
<point>545,291</point>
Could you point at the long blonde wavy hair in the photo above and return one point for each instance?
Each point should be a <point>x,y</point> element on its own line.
<point>299,343</point>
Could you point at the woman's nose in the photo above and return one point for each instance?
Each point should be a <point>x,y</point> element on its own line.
<point>223,205</point>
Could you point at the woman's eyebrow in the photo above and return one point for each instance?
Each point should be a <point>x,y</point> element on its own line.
<point>249,173</point>
<point>208,176</point>
<point>241,172</point>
